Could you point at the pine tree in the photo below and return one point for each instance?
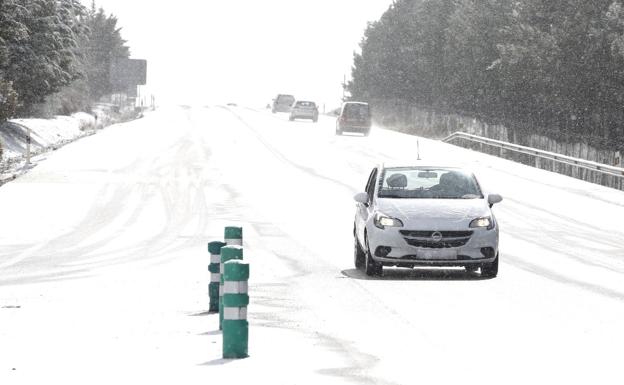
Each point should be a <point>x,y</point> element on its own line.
<point>44,62</point>
<point>13,34</point>
<point>104,44</point>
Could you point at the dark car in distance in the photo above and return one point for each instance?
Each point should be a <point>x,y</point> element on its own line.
<point>354,117</point>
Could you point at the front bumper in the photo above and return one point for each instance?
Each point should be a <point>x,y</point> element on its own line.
<point>393,248</point>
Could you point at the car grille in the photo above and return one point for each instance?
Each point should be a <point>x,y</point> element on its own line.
<point>425,238</point>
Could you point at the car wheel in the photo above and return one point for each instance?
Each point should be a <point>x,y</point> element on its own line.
<point>371,268</point>
<point>366,133</point>
<point>490,270</point>
<point>315,120</point>
<point>338,132</point>
<point>359,257</point>
<point>291,118</point>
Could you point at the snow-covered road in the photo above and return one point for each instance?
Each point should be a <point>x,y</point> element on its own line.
<point>103,264</point>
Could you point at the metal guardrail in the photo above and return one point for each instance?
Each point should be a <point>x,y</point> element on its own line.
<point>582,163</point>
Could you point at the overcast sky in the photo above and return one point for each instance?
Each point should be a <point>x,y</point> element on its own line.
<point>244,51</point>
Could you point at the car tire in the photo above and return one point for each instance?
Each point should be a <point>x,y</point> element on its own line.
<point>366,133</point>
<point>291,118</point>
<point>490,270</point>
<point>315,120</point>
<point>338,132</point>
<point>359,257</point>
<point>371,268</point>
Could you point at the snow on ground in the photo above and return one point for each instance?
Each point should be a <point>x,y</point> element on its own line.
<point>103,264</point>
<point>47,135</point>
<point>44,133</point>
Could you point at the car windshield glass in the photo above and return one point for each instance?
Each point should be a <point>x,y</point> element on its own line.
<point>356,111</point>
<point>429,183</point>
<point>284,99</point>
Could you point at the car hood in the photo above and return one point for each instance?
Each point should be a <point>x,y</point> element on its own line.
<point>436,214</point>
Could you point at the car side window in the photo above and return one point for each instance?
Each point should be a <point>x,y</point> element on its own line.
<point>370,186</point>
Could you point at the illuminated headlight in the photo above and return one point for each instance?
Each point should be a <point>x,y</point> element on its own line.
<point>382,221</point>
<point>483,222</point>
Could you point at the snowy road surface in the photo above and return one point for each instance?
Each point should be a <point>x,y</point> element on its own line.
<point>103,264</point>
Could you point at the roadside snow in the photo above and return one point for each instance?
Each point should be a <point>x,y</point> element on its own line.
<point>47,135</point>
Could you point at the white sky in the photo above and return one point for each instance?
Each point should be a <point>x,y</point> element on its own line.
<point>245,51</point>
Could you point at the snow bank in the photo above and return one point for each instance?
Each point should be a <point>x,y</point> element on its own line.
<point>50,134</point>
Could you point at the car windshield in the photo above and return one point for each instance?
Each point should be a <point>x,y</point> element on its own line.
<point>428,183</point>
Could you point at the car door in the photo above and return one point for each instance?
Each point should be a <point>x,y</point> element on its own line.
<point>365,211</point>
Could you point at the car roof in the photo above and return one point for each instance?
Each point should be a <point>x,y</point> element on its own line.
<point>362,103</point>
<point>424,166</point>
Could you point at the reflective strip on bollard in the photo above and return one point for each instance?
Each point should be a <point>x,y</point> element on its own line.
<point>235,287</point>
<point>234,313</point>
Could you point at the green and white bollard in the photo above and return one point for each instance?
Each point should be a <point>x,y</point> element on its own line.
<point>214,249</point>
<point>235,302</point>
<point>228,253</point>
<point>233,236</point>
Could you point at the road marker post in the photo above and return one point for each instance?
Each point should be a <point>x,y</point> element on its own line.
<point>235,302</point>
<point>233,236</point>
<point>228,253</point>
<point>214,249</point>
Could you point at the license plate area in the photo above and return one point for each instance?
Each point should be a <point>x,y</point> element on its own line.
<point>435,254</point>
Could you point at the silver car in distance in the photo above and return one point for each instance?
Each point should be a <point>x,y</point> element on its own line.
<point>425,216</point>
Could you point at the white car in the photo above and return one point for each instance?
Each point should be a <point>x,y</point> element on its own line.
<point>425,216</point>
<point>304,109</point>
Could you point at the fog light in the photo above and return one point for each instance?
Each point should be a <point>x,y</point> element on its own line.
<point>382,251</point>
<point>488,252</point>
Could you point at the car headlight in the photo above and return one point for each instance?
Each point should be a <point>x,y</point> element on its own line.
<point>486,222</point>
<point>382,221</point>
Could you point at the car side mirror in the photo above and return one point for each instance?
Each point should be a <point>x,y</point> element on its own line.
<point>361,198</point>
<point>494,199</point>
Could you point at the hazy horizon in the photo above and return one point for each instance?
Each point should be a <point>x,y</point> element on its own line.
<point>244,52</point>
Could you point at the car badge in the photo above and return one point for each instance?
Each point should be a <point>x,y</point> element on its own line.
<point>436,236</point>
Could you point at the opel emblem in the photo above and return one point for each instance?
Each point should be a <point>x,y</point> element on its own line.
<point>436,236</point>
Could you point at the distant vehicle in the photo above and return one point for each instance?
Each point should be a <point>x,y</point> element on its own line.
<point>425,216</point>
<point>282,103</point>
<point>305,110</point>
<point>231,104</point>
<point>354,117</point>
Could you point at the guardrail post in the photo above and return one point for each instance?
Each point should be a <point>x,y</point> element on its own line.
<point>228,253</point>
<point>214,249</point>
<point>235,302</point>
<point>233,236</point>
